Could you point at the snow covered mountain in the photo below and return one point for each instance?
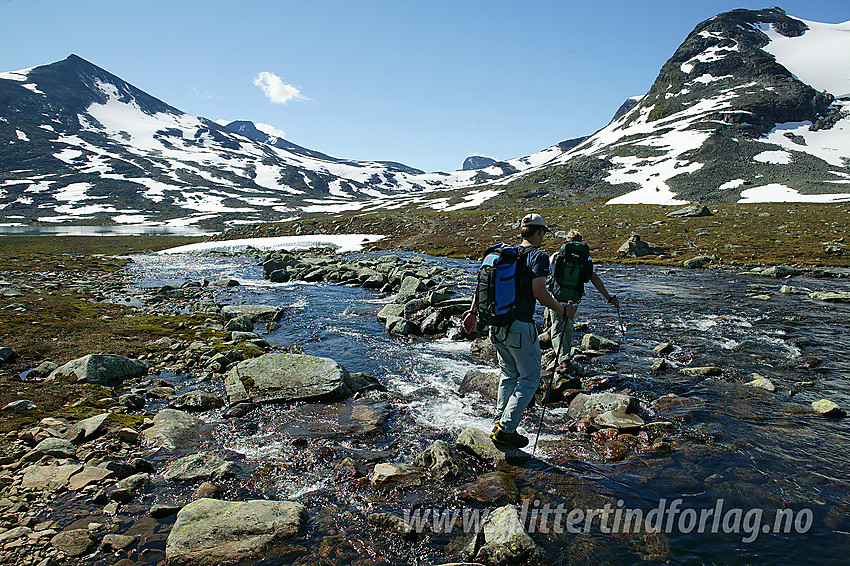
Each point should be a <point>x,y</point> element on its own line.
<point>754,106</point>
<point>80,145</point>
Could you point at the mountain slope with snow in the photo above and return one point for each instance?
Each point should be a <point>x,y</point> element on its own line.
<point>753,106</point>
<point>730,118</point>
<point>81,145</point>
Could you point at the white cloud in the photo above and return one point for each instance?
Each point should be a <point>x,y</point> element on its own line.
<point>275,89</point>
<point>270,130</point>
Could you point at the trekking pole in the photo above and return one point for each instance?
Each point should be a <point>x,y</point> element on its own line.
<point>625,345</point>
<point>546,395</point>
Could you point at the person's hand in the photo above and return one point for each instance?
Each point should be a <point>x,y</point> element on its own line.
<point>614,301</point>
<point>569,310</point>
<point>470,321</point>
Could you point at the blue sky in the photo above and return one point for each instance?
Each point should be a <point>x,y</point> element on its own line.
<point>423,83</point>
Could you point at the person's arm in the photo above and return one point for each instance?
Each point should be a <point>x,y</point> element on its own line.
<point>541,293</point>
<point>600,286</point>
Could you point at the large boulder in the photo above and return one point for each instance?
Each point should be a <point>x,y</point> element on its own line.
<point>584,405</point>
<point>410,287</point>
<point>208,532</point>
<point>692,210</point>
<point>503,541</point>
<point>635,247</point>
<point>439,460</point>
<point>197,400</point>
<point>485,382</point>
<point>479,444</point>
<point>281,378</point>
<point>201,466</point>
<point>172,429</point>
<point>100,369</point>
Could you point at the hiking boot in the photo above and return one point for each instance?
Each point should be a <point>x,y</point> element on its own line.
<point>513,439</point>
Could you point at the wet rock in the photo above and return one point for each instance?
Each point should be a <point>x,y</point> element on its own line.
<point>692,210</point>
<point>364,415</point>
<point>410,287</point>
<point>789,290</point>
<point>257,313</point>
<point>703,371</point>
<point>73,543</point>
<point>390,310</point>
<point>172,429</point>
<point>635,247</point>
<point>618,420</point>
<point>659,366</point>
<point>361,382</point>
<point>394,523</point>
<point>56,447</point>
<point>114,542</point>
<point>439,460</point>
<point>20,405</point>
<point>198,400</point>
<point>479,444</point>
<point>208,532</point>
<point>485,382</point>
<point>761,382</point>
<point>100,369</point>
<point>202,466</point>
<point>280,378</point>
<point>482,350</point>
<point>698,262</point>
<point>135,483</point>
<point>48,477</point>
<point>779,272</point>
<point>207,490</point>
<point>584,405</point>
<point>400,326</point>
<point>398,474</point>
<point>163,510</point>
<point>828,408</point>
<point>240,323</point>
<point>89,475</point>
<point>661,349</point>
<point>503,541</point>
<point>494,488</point>
<point>598,343</point>
<point>830,297</point>
<point>238,410</point>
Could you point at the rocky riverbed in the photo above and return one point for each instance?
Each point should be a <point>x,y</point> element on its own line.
<point>239,432</point>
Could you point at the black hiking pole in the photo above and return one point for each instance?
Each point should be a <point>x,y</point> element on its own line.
<point>625,345</point>
<point>546,395</point>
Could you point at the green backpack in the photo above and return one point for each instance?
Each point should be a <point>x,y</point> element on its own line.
<point>572,270</point>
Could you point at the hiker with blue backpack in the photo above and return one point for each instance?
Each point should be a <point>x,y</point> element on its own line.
<point>571,269</point>
<point>510,282</point>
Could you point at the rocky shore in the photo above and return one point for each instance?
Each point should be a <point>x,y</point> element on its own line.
<point>130,472</point>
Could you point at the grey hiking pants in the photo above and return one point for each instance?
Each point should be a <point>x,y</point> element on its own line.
<point>519,360</point>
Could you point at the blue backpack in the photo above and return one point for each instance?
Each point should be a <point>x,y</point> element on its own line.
<point>497,284</point>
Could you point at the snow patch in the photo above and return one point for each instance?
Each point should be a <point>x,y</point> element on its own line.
<point>774,157</point>
<point>780,193</point>
<point>820,57</point>
<point>341,242</point>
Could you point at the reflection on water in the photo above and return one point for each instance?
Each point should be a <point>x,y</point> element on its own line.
<point>752,449</point>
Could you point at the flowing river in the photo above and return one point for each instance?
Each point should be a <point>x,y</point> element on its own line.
<point>746,455</point>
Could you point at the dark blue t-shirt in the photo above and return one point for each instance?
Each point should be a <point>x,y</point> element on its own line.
<point>536,265</point>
